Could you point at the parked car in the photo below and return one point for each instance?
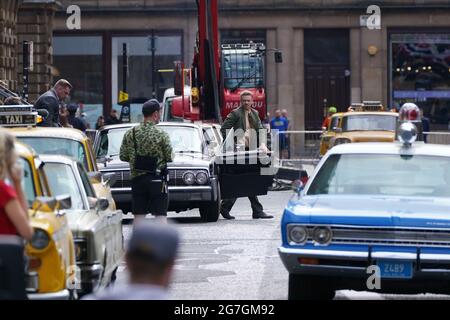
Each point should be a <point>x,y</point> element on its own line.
<point>379,205</point>
<point>97,229</point>
<point>365,124</point>
<point>196,178</point>
<point>72,143</point>
<point>51,272</point>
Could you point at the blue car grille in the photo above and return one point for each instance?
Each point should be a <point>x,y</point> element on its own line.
<point>391,236</point>
<point>385,236</point>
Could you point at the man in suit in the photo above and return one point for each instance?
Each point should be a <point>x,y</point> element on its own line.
<point>51,100</point>
<point>244,118</point>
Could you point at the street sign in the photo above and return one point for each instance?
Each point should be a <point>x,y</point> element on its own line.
<point>123,96</point>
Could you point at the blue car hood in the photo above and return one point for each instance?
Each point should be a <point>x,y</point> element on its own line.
<point>370,211</point>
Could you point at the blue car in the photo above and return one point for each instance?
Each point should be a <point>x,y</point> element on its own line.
<point>373,216</point>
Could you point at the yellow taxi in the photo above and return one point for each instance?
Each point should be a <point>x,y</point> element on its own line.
<point>51,269</point>
<point>330,132</point>
<point>22,120</point>
<point>366,122</point>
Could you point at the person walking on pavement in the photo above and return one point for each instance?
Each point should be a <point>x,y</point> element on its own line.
<point>13,204</point>
<point>244,118</point>
<point>74,121</point>
<point>51,101</point>
<point>100,122</point>
<point>148,150</point>
<point>150,259</point>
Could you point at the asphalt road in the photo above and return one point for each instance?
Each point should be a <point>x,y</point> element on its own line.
<point>238,259</point>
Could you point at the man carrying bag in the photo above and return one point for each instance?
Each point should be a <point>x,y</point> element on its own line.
<point>148,150</point>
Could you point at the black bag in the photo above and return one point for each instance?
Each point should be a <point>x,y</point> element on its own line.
<point>144,163</point>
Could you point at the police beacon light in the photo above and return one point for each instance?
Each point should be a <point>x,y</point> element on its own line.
<point>409,112</point>
<point>407,133</point>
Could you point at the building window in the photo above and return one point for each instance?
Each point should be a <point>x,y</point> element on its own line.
<point>420,73</point>
<point>79,60</point>
<point>140,76</point>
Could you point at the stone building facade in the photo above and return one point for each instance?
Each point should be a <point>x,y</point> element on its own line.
<point>330,57</point>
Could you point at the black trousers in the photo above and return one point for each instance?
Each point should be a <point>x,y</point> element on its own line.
<point>227,204</point>
<point>149,196</point>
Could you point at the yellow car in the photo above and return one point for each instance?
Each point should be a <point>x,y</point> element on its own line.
<point>367,122</point>
<point>69,142</point>
<point>330,132</point>
<point>51,270</point>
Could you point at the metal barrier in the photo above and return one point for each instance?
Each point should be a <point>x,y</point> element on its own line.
<point>437,137</point>
<point>301,149</point>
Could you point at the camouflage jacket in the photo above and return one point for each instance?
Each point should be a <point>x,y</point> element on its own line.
<point>150,141</point>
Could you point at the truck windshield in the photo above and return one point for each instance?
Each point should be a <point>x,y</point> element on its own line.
<point>243,70</point>
<point>383,175</point>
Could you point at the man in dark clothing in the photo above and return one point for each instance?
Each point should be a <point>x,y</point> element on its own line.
<point>244,118</point>
<point>51,100</point>
<point>77,123</point>
<point>113,117</point>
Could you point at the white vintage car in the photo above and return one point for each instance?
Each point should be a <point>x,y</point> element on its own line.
<point>97,230</point>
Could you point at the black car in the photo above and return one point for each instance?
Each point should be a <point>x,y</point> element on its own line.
<point>194,174</point>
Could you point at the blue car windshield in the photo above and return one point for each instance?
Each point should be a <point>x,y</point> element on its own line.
<point>383,174</point>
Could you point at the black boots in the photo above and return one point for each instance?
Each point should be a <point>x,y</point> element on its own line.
<point>227,215</point>
<point>262,215</point>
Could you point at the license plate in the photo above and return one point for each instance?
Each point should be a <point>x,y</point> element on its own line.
<point>395,269</point>
<point>18,119</point>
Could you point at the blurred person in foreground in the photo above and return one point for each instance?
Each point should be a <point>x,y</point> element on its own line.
<point>150,259</point>
<point>14,218</point>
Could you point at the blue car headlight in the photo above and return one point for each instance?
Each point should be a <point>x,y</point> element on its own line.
<point>297,234</point>
<point>322,235</point>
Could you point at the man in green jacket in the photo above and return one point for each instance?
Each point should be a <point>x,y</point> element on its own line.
<point>244,118</point>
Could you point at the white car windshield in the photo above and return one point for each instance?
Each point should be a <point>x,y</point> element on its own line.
<point>62,180</point>
<point>110,142</point>
<point>184,139</point>
<point>369,122</point>
<point>383,174</point>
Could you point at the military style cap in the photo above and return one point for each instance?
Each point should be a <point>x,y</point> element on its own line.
<point>154,241</point>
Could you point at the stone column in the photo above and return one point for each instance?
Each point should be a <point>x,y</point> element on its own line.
<point>8,43</point>
<point>35,23</point>
<point>372,65</point>
<point>355,65</point>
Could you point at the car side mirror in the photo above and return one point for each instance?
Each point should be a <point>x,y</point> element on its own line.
<point>95,175</point>
<point>46,204</point>
<point>102,204</point>
<point>338,130</point>
<point>64,202</point>
<point>297,186</point>
<point>110,178</point>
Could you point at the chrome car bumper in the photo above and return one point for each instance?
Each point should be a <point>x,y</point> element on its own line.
<point>354,263</point>
<point>59,295</point>
<point>90,276</point>
<point>121,194</point>
<point>176,193</point>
